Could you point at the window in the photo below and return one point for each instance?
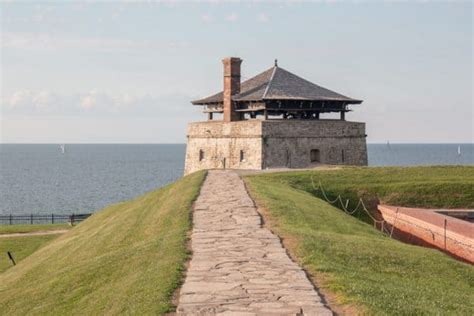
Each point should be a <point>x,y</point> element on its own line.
<point>315,155</point>
<point>242,156</point>
<point>201,155</point>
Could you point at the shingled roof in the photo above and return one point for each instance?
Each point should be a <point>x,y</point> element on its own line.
<point>277,83</point>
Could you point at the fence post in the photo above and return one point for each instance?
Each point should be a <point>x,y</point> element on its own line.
<point>445,224</point>
<point>10,256</point>
<point>10,219</point>
<point>52,218</point>
<point>31,219</point>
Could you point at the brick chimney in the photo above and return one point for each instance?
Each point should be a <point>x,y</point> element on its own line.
<point>231,86</point>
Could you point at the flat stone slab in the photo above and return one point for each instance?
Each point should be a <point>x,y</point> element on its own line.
<point>239,267</point>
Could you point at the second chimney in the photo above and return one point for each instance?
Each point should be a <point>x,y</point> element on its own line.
<point>231,87</point>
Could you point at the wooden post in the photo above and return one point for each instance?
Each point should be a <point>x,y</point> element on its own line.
<point>52,218</point>
<point>10,219</point>
<point>31,219</point>
<point>445,224</point>
<point>343,115</point>
<point>265,114</point>
<point>209,116</point>
<point>10,256</point>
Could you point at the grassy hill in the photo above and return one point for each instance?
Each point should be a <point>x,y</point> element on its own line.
<point>354,263</point>
<point>429,187</point>
<point>20,247</point>
<point>127,258</point>
<point>23,246</point>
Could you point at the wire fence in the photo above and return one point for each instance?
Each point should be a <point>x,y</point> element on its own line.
<point>31,219</point>
<point>338,202</point>
<point>384,226</point>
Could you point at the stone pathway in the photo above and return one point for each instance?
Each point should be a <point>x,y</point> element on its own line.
<point>238,267</point>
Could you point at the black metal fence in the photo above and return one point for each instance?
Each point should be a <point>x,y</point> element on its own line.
<point>42,218</point>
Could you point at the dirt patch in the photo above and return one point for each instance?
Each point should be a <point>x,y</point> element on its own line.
<point>243,172</point>
<point>37,233</point>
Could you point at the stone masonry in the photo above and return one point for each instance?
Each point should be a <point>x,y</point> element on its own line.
<point>261,144</point>
<point>239,267</point>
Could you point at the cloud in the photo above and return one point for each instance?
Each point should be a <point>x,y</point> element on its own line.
<point>36,13</point>
<point>207,18</point>
<point>88,102</point>
<point>262,17</point>
<point>42,99</point>
<point>92,103</point>
<point>55,41</point>
<point>232,17</point>
<point>16,99</point>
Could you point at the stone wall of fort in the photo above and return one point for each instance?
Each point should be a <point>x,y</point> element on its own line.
<point>217,144</point>
<point>303,144</point>
<point>256,144</point>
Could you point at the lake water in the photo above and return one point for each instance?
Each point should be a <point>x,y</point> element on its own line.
<point>40,179</point>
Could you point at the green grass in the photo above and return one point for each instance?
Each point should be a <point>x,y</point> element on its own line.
<point>20,247</point>
<point>25,228</point>
<point>429,187</point>
<point>125,259</point>
<point>355,262</point>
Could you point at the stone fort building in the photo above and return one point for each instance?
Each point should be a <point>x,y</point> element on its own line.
<point>273,120</point>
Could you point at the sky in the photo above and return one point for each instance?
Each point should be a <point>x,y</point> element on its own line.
<point>125,72</point>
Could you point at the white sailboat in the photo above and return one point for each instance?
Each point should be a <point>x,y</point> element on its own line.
<point>62,148</point>
<point>459,150</point>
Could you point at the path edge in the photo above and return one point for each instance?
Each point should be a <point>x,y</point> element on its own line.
<point>189,253</point>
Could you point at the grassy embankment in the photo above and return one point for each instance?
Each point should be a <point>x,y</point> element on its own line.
<point>127,258</point>
<point>354,263</point>
<point>23,246</point>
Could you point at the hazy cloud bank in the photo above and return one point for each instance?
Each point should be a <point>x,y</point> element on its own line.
<point>93,103</point>
<point>54,41</point>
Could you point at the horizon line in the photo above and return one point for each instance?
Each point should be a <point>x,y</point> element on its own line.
<point>114,143</point>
